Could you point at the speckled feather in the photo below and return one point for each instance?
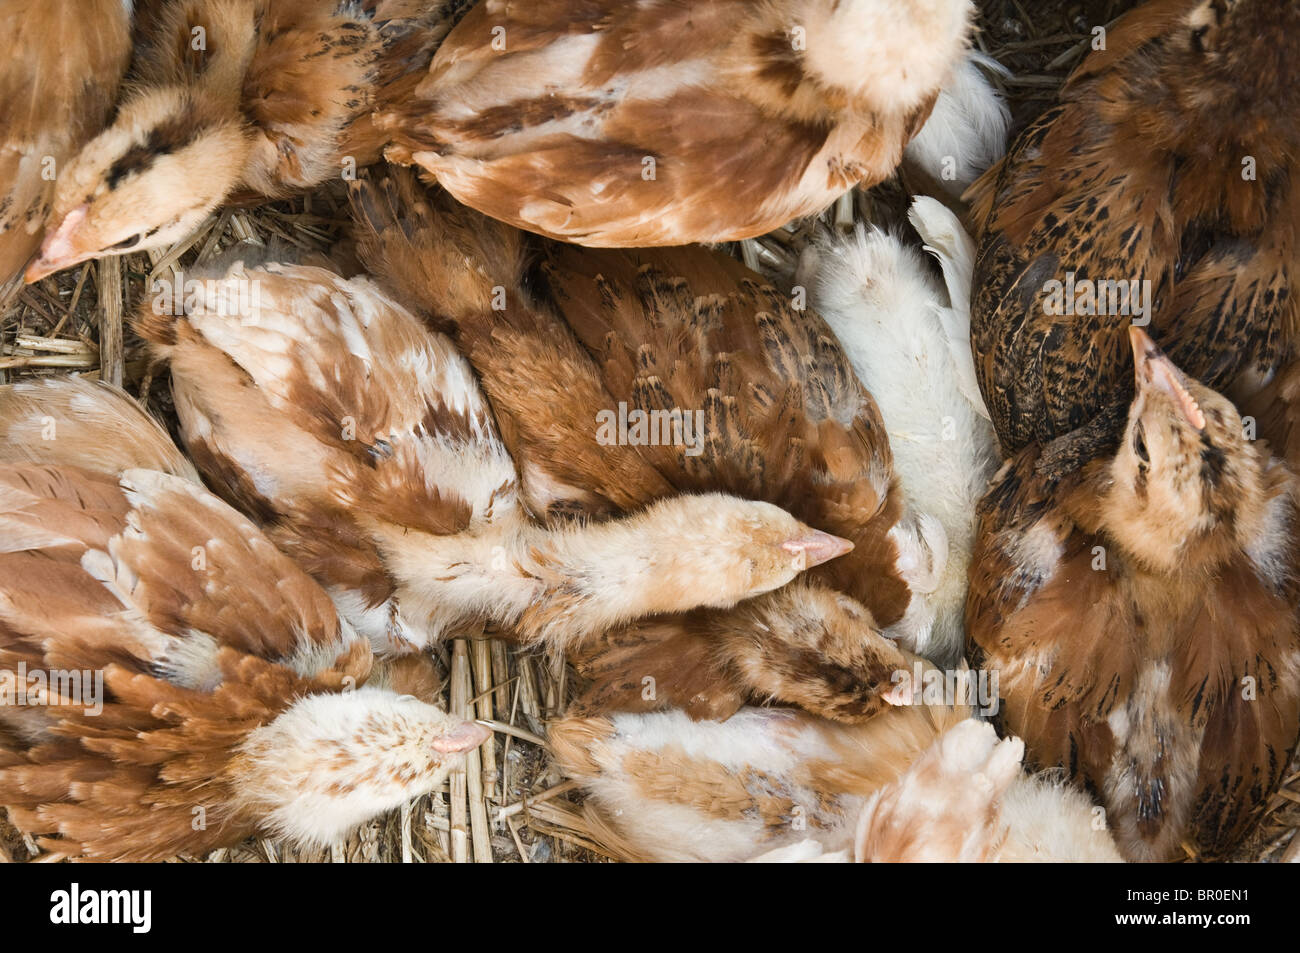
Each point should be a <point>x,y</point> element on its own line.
<point>1087,644</point>
<point>1138,173</point>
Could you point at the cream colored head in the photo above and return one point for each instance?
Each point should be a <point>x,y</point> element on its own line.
<point>331,762</point>
<point>889,54</point>
<point>1185,478</point>
<point>170,158</point>
<point>727,549</point>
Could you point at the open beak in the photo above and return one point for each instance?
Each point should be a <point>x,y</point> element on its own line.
<point>1156,372</point>
<point>816,548</point>
<point>59,249</point>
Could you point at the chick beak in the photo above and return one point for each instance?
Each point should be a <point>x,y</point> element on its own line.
<point>816,548</point>
<point>902,692</point>
<point>464,737</point>
<point>59,249</point>
<point>1156,372</point>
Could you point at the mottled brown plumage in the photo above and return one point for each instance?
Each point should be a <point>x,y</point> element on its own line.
<point>782,417</point>
<point>232,699</point>
<point>662,122</point>
<point>58,82</point>
<point>1170,159</point>
<point>267,96</point>
<point>785,418</point>
<point>1141,617</point>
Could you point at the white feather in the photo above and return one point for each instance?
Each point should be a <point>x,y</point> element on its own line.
<point>946,240</point>
<point>967,129</point>
<point>889,314</point>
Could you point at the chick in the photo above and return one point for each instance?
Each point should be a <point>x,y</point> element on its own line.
<point>263,96</point>
<point>362,442</point>
<point>764,406</point>
<point>175,684</point>
<point>1161,191</point>
<point>58,82</point>
<point>917,783</point>
<point>909,343</point>
<point>660,123</point>
<point>1141,617</point>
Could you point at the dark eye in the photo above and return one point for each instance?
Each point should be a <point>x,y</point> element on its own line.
<point>1140,444</point>
<point>1198,39</point>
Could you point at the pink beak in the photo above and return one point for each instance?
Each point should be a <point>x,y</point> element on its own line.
<point>464,737</point>
<point>58,250</point>
<point>817,547</point>
<point>1155,370</point>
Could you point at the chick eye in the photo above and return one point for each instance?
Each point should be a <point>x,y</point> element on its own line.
<point>1198,38</point>
<point>1140,444</point>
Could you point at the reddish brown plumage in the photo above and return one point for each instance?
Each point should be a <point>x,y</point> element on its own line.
<point>784,421</point>
<point>660,123</point>
<point>253,98</point>
<point>1275,411</point>
<point>363,443</point>
<point>71,420</point>
<point>124,784</point>
<point>1141,617</point>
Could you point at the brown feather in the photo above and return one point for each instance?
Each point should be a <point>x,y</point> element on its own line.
<point>57,87</point>
<point>124,783</point>
<point>785,422</point>
<point>1169,159</point>
<point>1167,689</point>
<point>661,123</point>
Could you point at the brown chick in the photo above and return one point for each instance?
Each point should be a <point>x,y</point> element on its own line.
<point>1141,617</point>
<point>58,82</point>
<point>660,122</point>
<point>263,96</point>
<point>67,420</point>
<point>769,409</point>
<point>362,442</point>
<point>174,684</point>
<point>918,783</point>
<point>1170,161</point>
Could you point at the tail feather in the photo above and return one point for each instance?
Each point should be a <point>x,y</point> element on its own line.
<point>947,241</point>
<point>443,260</point>
<point>966,132</point>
